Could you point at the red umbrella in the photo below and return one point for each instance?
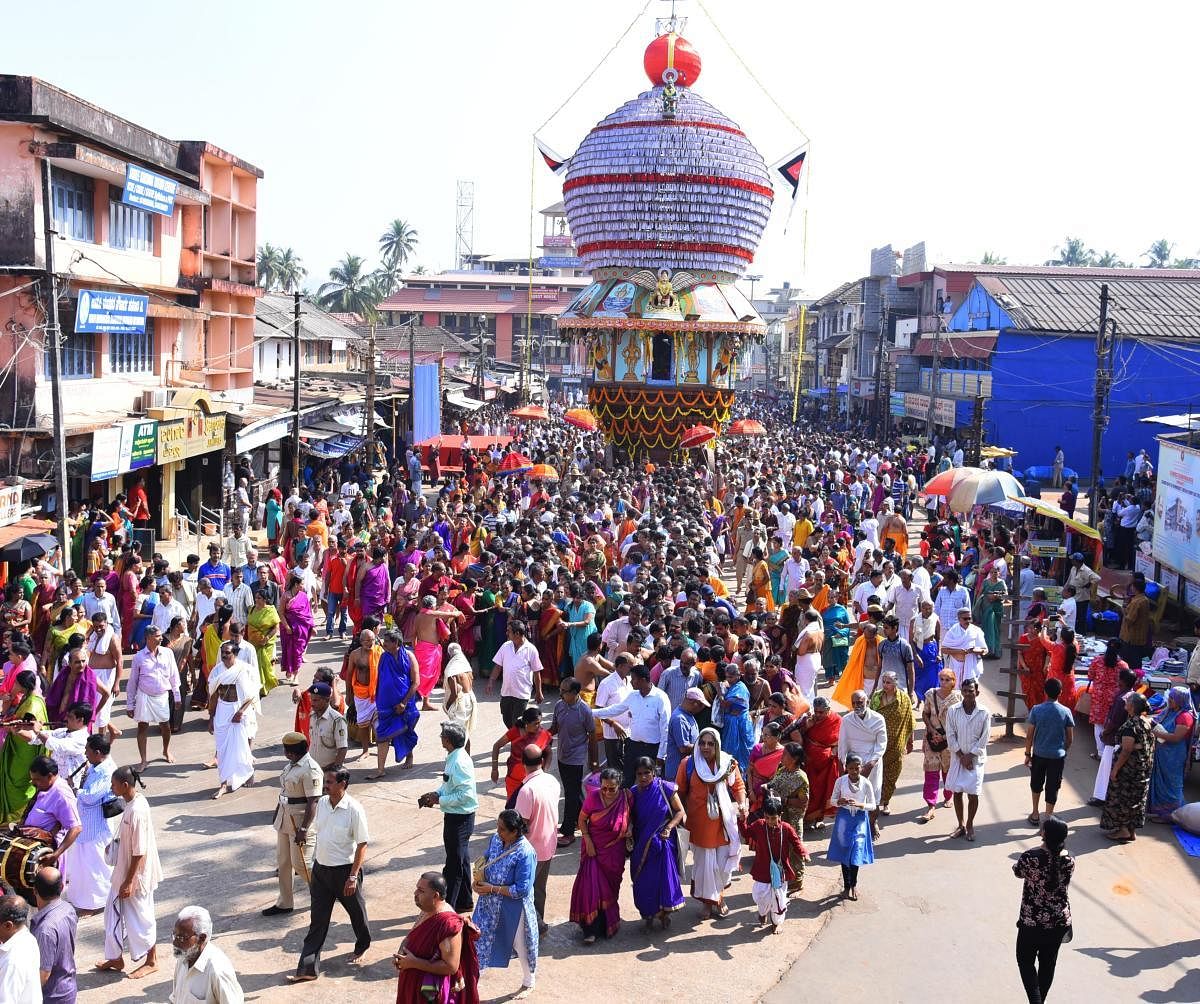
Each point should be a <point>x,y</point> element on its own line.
<point>940,484</point>
<point>747,427</point>
<point>581,418</point>
<point>515,463</point>
<point>697,435</point>
<point>543,472</point>
<point>531,411</point>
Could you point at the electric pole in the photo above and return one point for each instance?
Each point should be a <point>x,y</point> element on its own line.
<point>369,406</point>
<point>933,383</point>
<point>879,356</point>
<point>1105,337</point>
<point>296,391</point>
<point>977,432</point>
<point>53,343</point>
<point>412,368</point>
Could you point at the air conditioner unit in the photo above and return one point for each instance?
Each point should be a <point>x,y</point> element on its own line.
<point>157,397</point>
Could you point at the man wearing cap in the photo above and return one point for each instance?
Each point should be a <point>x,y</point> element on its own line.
<point>327,728</point>
<point>1085,580</point>
<point>683,730</point>
<point>299,789</point>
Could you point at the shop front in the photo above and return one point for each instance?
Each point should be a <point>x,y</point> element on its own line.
<point>189,455</point>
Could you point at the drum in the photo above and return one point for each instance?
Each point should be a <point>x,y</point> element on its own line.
<point>20,857</point>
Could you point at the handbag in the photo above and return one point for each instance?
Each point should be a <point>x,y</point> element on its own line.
<point>481,864</point>
<point>937,742</point>
<point>776,866</point>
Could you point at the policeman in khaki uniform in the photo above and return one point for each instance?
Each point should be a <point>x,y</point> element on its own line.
<point>300,787</point>
<point>328,729</point>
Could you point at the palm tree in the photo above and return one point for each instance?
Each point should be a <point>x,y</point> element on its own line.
<point>992,259</point>
<point>1159,253</point>
<point>389,276</point>
<point>1185,263</point>
<point>397,242</point>
<point>350,289</point>
<point>1073,252</point>
<point>289,271</point>
<point>267,264</point>
<point>1109,259</point>
<point>420,270</point>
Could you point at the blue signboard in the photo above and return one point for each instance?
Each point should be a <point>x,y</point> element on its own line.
<point>559,261</point>
<point>149,191</point>
<point>116,313</point>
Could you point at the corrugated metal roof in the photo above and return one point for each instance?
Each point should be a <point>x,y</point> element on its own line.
<point>847,293</point>
<point>273,317</point>
<point>956,346</point>
<point>1158,303</point>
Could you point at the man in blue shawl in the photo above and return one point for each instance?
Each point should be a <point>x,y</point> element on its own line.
<point>396,699</point>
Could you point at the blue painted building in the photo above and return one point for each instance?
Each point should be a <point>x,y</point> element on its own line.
<point>1040,373</point>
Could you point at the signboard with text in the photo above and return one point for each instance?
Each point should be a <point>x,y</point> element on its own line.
<point>917,406</point>
<point>127,446</point>
<point>557,241</point>
<point>11,502</point>
<point>112,312</point>
<point>1176,540</point>
<point>559,261</point>
<point>149,191</point>
<point>190,437</point>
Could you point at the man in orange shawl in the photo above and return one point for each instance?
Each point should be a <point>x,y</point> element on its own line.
<point>864,649</point>
<point>363,670</point>
<point>820,730</point>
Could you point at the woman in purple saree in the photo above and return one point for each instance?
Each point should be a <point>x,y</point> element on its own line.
<point>654,863</point>
<point>296,627</point>
<point>604,823</point>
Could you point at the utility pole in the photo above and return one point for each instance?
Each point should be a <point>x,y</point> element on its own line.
<point>53,342</point>
<point>296,391</point>
<point>879,355</point>
<point>977,432</point>
<point>933,383</point>
<point>369,406</point>
<point>799,361</point>
<point>1105,337</point>
<point>412,368</point>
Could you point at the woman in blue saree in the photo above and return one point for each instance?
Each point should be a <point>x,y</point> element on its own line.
<point>396,703</point>
<point>654,861</point>
<point>504,911</point>
<point>737,730</point>
<point>775,561</point>
<point>1173,728</point>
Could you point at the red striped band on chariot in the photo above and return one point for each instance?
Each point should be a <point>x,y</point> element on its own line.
<point>655,178</point>
<point>635,245</point>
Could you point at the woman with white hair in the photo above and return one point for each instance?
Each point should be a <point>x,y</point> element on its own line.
<point>459,679</point>
<point>203,972</point>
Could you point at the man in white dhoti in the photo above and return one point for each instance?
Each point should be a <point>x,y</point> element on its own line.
<point>153,681</point>
<point>129,911</point>
<point>963,647</point>
<point>233,692</point>
<point>808,653</point>
<point>864,732</point>
<point>968,727</point>
<point>90,875</point>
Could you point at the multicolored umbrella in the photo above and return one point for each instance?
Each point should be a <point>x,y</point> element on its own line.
<point>515,463</point>
<point>581,418</point>
<point>697,435</point>
<point>966,487</point>
<point>543,472</point>
<point>747,427</point>
<point>533,412</point>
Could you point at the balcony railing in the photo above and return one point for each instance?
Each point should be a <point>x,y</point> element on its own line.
<point>959,383</point>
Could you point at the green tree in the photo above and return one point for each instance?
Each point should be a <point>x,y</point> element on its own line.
<point>1109,259</point>
<point>992,259</point>
<point>396,243</point>
<point>420,270</point>
<point>1159,253</point>
<point>1073,252</point>
<point>289,271</point>
<point>350,289</point>
<point>389,276</point>
<point>267,265</point>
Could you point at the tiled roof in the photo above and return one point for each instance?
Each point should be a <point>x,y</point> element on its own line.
<point>1151,303</point>
<point>847,293</point>
<point>273,318</point>
<point>951,345</point>
<point>425,340</point>
<point>483,300</point>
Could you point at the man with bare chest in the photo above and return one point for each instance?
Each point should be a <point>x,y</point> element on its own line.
<point>591,668</point>
<point>363,667</point>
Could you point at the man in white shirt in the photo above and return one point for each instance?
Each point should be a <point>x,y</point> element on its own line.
<point>921,577</point>
<point>906,599</point>
<point>1128,512</point>
<point>651,716</point>
<point>795,571</point>
<point>203,973</point>
<point>206,603</point>
<point>786,521</point>
<point>20,957</point>
<point>339,851</point>
<point>101,599</point>
<point>613,689</point>
<point>1085,580</point>
<point>968,728</point>
<point>167,610</point>
<point>521,667</point>
<point>865,590</point>
<point>964,645</point>
<point>870,529</point>
<point>236,547</point>
<point>864,732</point>
<point>951,598</point>
<point>238,595</point>
<point>1067,609</point>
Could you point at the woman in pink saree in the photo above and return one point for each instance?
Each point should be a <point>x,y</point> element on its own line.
<point>604,822</point>
<point>295,627</point>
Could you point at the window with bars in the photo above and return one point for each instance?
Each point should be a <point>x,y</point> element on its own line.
<point>78,353</point>
<point>71,196</point>
<point>129,228</point>
<point>132,353</point>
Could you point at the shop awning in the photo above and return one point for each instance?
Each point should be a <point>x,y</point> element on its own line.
<point>317,433</point>
<point>460,400</point>
<point>355,422</point>
<point>334,446</point>
<point>1046,509</point>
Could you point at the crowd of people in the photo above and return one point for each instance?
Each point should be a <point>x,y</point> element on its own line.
<point>678,619</point>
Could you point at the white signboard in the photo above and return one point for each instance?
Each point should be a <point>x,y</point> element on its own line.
<point>10,504</point>
<point>1176,539</point>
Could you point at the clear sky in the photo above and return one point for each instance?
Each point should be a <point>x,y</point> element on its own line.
<point>972,126</point>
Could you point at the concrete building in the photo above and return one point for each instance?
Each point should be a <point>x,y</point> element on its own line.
<point>147,401</point>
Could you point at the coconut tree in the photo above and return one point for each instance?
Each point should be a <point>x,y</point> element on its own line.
<point>397,242</point>
<point>1185,263</point>
<point>1109,259</point>
<point>389,276</point>
<point>420,270</point>
<point>992,259</point>
<point>1073,252</point>
<point>289,271</point>
<point>350,289</point>
<point>1159,253</point>
<point>267,265</point>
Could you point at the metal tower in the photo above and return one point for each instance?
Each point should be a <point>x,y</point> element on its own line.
<point>464,224</point>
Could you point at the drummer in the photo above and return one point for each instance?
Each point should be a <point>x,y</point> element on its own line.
<point>53,815</point>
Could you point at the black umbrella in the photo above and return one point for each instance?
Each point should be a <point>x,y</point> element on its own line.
<point>27,548</point>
